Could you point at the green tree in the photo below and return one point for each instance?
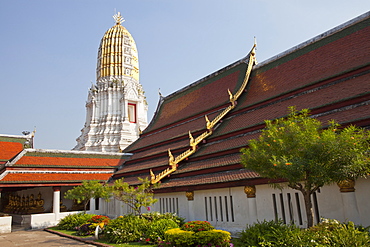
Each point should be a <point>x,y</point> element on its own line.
<point>135,197</point>
<point>87,190</point>
<point>307,156</point>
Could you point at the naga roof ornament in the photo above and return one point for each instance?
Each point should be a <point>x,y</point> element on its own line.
<point>173,162</point>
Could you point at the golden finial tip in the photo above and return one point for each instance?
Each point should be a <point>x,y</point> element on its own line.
<point>118,18</point>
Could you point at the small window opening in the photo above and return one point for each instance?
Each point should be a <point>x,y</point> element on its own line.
<point>132,113</point>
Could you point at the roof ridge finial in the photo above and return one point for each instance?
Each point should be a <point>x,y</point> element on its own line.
<point>118,18</point>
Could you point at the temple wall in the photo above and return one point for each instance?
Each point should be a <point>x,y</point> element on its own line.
<point>230,209</point>
<point>363,200</point>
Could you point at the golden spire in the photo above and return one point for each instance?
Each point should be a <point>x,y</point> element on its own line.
<point>117,54</point>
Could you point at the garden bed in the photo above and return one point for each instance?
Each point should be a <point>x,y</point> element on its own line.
<point>89,239</point>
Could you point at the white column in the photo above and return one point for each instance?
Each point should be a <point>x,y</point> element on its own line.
<point>92,206</point>
<point>252,210</point>
<point>350,208</point>
<point>250,191</point>
<point>56,202</point>
<point>190,196</point>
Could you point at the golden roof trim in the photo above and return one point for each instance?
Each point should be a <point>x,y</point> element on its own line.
<point>173,162</point>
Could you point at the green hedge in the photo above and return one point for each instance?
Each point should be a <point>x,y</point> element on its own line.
<point>196,233</point>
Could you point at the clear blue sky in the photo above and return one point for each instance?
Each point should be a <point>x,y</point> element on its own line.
<point>48,49</point>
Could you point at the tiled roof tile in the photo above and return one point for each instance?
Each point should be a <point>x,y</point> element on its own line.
<point>67,162</point>
<point>210,178</point>
<point>193,100</point>
<point>9,149</point>
<point>53,177</point>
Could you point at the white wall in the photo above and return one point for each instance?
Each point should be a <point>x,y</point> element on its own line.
<point>232,209</point>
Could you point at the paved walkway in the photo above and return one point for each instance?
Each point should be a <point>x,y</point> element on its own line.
<point>37,238</point>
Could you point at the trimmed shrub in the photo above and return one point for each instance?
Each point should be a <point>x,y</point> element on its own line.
<point>124,229</point>
<point>214,237</point>
<point>156,230</point>
<point>73,221</point>
<point>199,234</point>
<point>197,225</point>
<point>178,237</point>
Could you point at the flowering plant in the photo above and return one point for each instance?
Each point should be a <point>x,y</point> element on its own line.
<point>197,226</point>
<point>99,219</point>
<point>85,230</point>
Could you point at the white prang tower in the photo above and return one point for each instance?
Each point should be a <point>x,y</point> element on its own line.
<point>116,108</point>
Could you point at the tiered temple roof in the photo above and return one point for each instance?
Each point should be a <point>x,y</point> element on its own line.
<point>40,167</point>
<point>328,74</point>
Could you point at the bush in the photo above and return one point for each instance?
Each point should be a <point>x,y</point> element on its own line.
<point>72,221</point>
<point>199,234</point>
<point>267,233</point>
<point>154,216</point>
<point>177,237</point>
<point>197,225</point>
<point>334,233</point>
<point>128,228</point>
<point>326,233</point>
<point>156,230</point>
<point>212,238</point>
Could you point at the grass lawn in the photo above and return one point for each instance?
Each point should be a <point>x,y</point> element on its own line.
<point>124,245</point>
<point>73,233</point>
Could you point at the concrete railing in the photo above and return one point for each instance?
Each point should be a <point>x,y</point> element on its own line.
<point>39,221</point>
<point>5,224</point>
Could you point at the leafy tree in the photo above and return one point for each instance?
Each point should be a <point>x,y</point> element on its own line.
<point>134,196</point>
<point>307,156</point>
<point>87,190</point>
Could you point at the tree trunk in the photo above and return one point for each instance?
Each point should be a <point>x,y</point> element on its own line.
<point>308,206</point>
<point>85,205</point>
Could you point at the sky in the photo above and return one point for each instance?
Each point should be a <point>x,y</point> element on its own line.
<point>48,50</point>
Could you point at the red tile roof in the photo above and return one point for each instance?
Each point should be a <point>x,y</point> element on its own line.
<point>73,159</point>
<point>193,101</point>
<point>46,167</point>
<point>210,178</point>
<point>67,162</point>
<point>42,177</point>
<point>9,149</point>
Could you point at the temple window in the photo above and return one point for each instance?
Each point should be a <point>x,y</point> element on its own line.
<point>132,112</point>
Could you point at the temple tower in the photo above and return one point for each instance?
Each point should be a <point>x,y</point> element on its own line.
<point>116,108</point>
